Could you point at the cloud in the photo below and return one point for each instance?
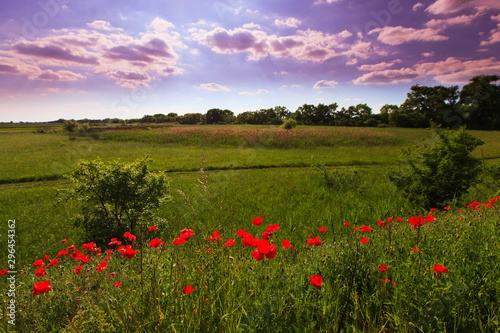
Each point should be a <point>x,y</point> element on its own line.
<point>305,45</point>
<point>160,25</point>
<point>427,54</point>
<point>320,2</point>
<point>379,66</point>
<point>494,33</point>
<point>453,6</point>
<point>68,53</point>
<point>417,6</point>
<point>440,24</point>
<point>323,84</point>
<point>290,22</point>
<point>399,35</point>
<point>388,76</point>
<point>258,92</point>
<point>103,25</point>
<point>213,87</point>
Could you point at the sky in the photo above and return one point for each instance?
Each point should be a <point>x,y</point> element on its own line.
<point>124,59</point>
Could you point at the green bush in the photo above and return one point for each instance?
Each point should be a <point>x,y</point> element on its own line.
<point>115,197</point>
<point>431,174</point>
<point>289,124</point>
<point>92,319</point>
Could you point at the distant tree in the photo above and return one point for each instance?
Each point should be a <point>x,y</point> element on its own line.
<point>191,118</point>
<point>480,100</point>
<point>218,116</point>
<point>70,126</point>
<point>386,111</point>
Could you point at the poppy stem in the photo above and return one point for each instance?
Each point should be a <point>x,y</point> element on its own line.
<point>351,285</point>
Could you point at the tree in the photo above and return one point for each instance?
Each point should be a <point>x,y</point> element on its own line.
<point>430,174</point>
<point>115,197</point>
<point>480,100</point>
<point>218,116</point>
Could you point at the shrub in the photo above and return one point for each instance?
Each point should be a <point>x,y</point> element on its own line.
<point>116,196</point>
<point>433,173</point>
<point>289,124</point>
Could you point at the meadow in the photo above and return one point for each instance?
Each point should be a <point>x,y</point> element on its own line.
<point>354,265</point>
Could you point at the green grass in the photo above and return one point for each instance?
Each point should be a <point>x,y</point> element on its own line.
<point>243,294</point>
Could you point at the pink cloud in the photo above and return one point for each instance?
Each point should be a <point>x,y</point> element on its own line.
<point>379,66</point>
<point>456,71</point>
<point>322,84</point>
<point>453,6</point>
<point>127,60</point>
<point>305,45</point>
<point>290,22</point>
<point>213,87</point>
<point>494,33</point>
<point>399,35</point>
<point>388,76</point>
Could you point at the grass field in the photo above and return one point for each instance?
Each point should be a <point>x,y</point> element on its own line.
<point>232,290</point>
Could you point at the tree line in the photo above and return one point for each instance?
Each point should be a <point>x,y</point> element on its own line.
<point>476,105</point>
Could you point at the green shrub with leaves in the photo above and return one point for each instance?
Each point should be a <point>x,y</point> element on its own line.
<point>432,173</point>
<point>289,124</point>
<point>115,197</point>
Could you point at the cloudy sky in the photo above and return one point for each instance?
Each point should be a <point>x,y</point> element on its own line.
<point>127,58</point>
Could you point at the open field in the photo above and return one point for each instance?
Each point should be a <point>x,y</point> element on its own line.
<point>233,291</point>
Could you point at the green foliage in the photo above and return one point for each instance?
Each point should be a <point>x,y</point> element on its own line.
<point>70,126</point>
<point>433,173</point>
<point>93,320</point>
<point>289,124</point>
<point>115,197</point>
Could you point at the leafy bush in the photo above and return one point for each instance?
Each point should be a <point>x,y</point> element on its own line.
<point>289,124</point>
<point>433,173</point>
<point>116,196</point>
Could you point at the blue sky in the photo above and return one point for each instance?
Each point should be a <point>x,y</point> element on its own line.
<point>105,59</point>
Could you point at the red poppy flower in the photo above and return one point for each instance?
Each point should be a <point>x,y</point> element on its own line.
<point>126,234</point>
<point>273,227</point>
<point>108,258</point>
<point>263,246</point>
<point>440,269</point>
<point>70,248</point>
<point>215,237</point>
<point>117,284</point>
<point>389,219</point>
<point>314,241</point>
<point>433,209</point>
<point>257,221</point>
<point>153,228</point>
<point>3,272</point>
<point>132,238</point>
<point>186,233</point>
<point>247,240</point>
<point>188,289</point>
<point>386,280</point>
<point>209,251</point>
<point>114,241</point>
<point>179,241</point>
<point>355,228</point>
<point>364,240</point>
<point>109,251</point>
<point>41,288</point>
<point>382,223</point>
<point>266,234</point>
<point>257,255</point>
<point>399,219</point>
<point>113,274</point>
<point>415,249</point>
<point>89,246</point>
<point>316,280</point>
<point>230,243</point>
<point>272,252</point>
<point>62,253</point>
<point>365,228</point>
<point>40,272</point>
<point>416,221</point>
<point>38,263</point>
<point>429,218</point>
<point>46,257</point>
<point>286,244</point>
<point>129,252</point>
<point>446,208</point>
<point>241,233</point>
<point>346,224</point>
<point>382,268</point>
<point>54,262</point>
<point>155,242</point>
<point>492,200</point>
<point>322,229</point>
<point>103,265</point>
<point>64,240</point>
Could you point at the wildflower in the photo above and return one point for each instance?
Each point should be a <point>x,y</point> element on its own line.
<point>286,244</point>
<point>382,223</point>
<point>273,228</point>
<point>70,248</point>
<point>3,272</point>
<point>440,269</point>
<point>272,252</point>
<point>186,233</point>
<point>129,252</point>
<point>62,253</point>
<point>46,257</point>
<point>54,262</point>
<point>38,263</point>
<point>257,255</point>
<point>316,280</point>
<point>78,270</point>
<point>230,243</point>
<point>241,233</point>
<point>364,240</point>
<point>64,240</point>
<point>209,251</point>
<point>113,274</point>
<point>382,268</point>
<point>322,229</point>
<point>386,280</point>
<point>433,209</point>
<point>257,221</point>
<point>117,284</point>
<point>399,219</point>
<point>416,221</point>
<point>41,288</point>
<point>429,218</point>
<point>152,229</point>
<point>102,266</point>
<point>155,242</point>
<point>365,228</point>
<point>346,224</point>
<point>215,237</point>
<point>109,251</point>
<point>40,272</point>
<point>89,246</point>
<point>446,208</point>
<point>188,289</point>
<point>114,241</point>
<point>415,249</point>
<point>179,241</point>
<point>263,246</point>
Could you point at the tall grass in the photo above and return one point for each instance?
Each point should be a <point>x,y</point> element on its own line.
<point>251,137</point>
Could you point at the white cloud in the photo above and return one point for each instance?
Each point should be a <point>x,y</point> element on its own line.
<point>103,25</point>
<point>213,87</point>
<point>322,84</point>
<point>399,35</point>
<point>160,25</point>
<point>290,22</point>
